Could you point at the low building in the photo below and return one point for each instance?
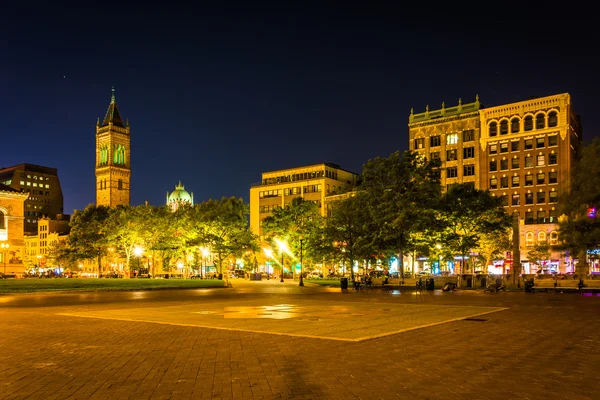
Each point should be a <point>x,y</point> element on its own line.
<point>12,209</point>
<point>312,182</point>
<point>45,193</point>
<point>38,247</point>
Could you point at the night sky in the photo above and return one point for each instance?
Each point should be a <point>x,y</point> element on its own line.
<point>215,96</point>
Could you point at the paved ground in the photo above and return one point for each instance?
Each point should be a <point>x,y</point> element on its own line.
<point>542,346</point>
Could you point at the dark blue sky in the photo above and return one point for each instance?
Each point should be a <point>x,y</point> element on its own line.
<point>215,96</point>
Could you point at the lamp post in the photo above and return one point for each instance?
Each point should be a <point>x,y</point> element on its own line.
<point>301,268</point>
<point>205,253</point>
<point>137,251</point>
<point>282,248</point>
<point>4,247</point>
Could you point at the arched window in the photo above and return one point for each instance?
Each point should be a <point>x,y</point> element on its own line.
<point>493,129</point>
<point>514,125</point>
<point>504,127</point>
<point>553,237</point>
<point>120,184</point>
<point>540,121</point>
<point>119,155</point>
<point>529,239</point>
<point>2,220</point>
<point>528,123</point>
<point>541,237</point>
<point>552,119</point>
<point>104,155</point>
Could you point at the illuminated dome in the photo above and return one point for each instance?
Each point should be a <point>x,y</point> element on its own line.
<point>179,197</point>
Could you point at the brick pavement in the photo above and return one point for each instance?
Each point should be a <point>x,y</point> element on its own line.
<point>544,346</point>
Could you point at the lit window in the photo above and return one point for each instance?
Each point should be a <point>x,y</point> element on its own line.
<point>452,139</point>
<point>529,239</point>
<point>541,237</point>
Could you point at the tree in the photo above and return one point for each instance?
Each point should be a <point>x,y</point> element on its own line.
<point>226,228</point>
<point>539,253</point>
<point>123,229</point>
<point>87,239</point>
<point>349,224</point>
<point>470,214</point>
<point>402,192</point>
<point>493,247</point>
<point>579,231</point>
<point>300,219</point>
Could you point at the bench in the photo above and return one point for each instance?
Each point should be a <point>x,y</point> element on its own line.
<point>393,282</point>
<point>547,285</point>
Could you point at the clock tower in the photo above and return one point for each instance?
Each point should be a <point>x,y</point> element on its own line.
<point>113,162</point>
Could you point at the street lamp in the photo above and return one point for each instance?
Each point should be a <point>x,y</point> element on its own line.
<point>205,254</point>
<point>269,254</point>
<point>138,251</point>
<point>282,249</point>
<point>301,268</point>
<point>4,247</point>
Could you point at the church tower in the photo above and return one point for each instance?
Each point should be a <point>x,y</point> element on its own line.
<point>113,162</point>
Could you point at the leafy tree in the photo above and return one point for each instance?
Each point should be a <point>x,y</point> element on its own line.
<point>61,254</point>
<point>579,232</point>
<point>470,214</point>
<point>123,229</point>
<point>538,253</point>
<point>301,219</point>
<point>402,191</point>
<point>87,239</point>
<point>226,228</point>
<point>349,224</point>
<point>493,247</point>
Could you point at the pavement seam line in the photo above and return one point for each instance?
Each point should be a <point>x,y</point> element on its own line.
<point>428,325</point>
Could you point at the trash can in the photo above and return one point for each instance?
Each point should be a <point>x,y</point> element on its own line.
<point>529,285</point>
<point>430,284</point>
<point>469,282</point>
<point>483,282</point>
<point>344,283</point>
<point>220,277</point>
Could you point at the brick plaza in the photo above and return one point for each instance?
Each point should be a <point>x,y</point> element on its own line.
<point>265,340</point>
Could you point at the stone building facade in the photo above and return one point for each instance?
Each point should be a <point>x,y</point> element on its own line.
<point>312,182</point>
<point>45,193</point>
<point>524,153</point>
<point>113,158</point>
<point>12,212</point>
<point>450,134</point>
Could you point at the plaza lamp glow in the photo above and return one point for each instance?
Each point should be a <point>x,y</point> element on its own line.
<point>137,252</point>
<point>4,247</point>
<point>268,254</point>
<point>205,254</point>
<point>283,248</point>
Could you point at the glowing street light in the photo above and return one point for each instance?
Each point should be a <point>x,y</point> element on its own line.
<point>283,248</point>
<point>4,247</point>
<point>205,254</point>
<point>138,251</point>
